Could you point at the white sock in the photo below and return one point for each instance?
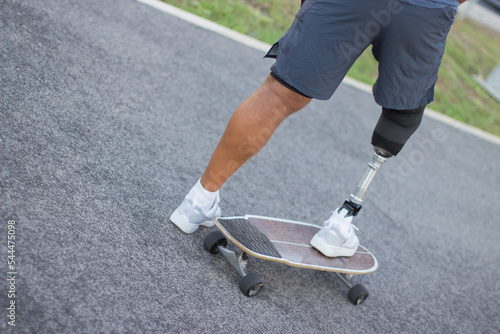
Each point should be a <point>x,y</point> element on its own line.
<point>203,198</point>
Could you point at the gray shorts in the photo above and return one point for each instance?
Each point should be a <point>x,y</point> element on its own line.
<point>327,36</point>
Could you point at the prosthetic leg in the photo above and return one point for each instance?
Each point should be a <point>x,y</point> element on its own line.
<point>392,131</point>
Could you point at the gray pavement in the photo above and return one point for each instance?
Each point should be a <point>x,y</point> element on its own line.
<point>110,112</point>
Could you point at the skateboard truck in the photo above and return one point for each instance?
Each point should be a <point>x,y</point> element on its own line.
<point>353,203</point>
<point>250,284</point>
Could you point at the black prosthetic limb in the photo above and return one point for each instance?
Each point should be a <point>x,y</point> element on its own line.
<point>392,131</point>
<point>394,128</point>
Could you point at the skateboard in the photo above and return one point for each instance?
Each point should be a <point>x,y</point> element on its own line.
<point>283,241</point>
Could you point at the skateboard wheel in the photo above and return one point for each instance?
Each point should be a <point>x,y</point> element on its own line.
<point>251,284</point>
<point>213,240</point>
<point>358,294</point>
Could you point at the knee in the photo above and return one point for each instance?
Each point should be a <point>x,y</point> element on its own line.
<point>395,127</point>
<point>287,100</point>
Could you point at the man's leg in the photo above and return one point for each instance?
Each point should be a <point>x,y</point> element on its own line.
<point>248,130</point>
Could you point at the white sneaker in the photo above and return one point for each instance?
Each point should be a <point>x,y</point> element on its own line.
<point>188,216</point>
<point>337,236</point>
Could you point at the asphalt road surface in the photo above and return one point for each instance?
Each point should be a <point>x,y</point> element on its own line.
<point>110,111</point>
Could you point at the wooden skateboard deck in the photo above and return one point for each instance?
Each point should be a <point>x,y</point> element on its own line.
<point>287,241</point>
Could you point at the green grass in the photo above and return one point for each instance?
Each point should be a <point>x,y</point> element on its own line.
<point>472,49</point>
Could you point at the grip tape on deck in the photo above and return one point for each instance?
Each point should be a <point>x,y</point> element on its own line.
<point>249,236</point>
